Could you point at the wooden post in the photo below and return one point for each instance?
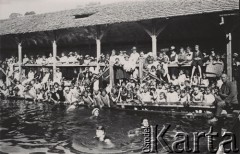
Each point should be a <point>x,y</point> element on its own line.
<point>141,69</point>
<point>54,58</point>
<point>98,42</point>
<point>20,60</point>
<point>153,31</point>
<point>111,74</point>
<point>229,55</point>
<point>154,45</point>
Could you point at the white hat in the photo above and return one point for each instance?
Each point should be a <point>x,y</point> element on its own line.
<point>94,110</point>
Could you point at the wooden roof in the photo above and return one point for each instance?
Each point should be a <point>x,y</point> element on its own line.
<point>115,13</point>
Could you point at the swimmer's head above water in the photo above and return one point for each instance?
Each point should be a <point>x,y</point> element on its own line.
<point>144,122</point>
<point>95,112</point>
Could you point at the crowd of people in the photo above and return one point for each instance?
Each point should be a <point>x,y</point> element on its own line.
<point>159,84</point>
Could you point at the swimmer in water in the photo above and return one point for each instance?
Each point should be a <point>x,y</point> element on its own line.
<point>138,131</point>
<point>144,123</point>
<point>101,136</point>
<point>95,113</point>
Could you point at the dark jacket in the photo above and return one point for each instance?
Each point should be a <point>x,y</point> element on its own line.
<point>228,92</point>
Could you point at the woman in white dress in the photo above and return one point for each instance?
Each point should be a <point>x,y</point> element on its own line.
<point>58,76</point>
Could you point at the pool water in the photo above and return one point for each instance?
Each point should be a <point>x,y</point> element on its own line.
<point>39,128</point>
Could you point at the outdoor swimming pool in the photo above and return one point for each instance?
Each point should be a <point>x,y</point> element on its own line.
<point>28,127</point>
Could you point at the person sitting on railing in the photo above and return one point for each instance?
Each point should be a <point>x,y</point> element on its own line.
<point>72,59</point>
<point>80,60</point>
<point>44,60</point>
<point>173,59</point>
<point>208,97</point>
<point>172,96</point>
<point>189,55</point>
<point>87,60</point>
<point>197,96</point>
<point>182,58</point>
<point>197,61</point>
<point>32,60</point>
<point>50,59</point>
<point>38,60</point>
<point>25,59</point>
<point>63,59</point>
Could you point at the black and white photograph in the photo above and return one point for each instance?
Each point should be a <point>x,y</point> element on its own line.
<point>119,76</point>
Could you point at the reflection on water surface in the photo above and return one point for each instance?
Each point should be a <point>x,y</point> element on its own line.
<point>28,127</point>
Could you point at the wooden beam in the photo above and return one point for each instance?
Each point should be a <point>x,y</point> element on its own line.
<point>229,55</point>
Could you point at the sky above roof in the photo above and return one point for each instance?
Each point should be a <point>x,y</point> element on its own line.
<point>42,6</point>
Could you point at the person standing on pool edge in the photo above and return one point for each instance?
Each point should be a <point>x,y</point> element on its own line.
<point>228,94</point>
<point>101,136</point>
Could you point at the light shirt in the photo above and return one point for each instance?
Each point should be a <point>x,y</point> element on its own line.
<point>208,99</point>
<point>172,97</point>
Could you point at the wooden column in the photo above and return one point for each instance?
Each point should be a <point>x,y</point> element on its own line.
<point>111,74</point>
<point>20,59</point>
<point>98,43</point>
<point>154,45</point>
<point>141,69</point>
<point>229,56</point>
<point>153,30</point>
<point>54,45</point>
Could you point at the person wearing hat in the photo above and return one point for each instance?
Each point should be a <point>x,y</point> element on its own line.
<point>58,76</point>
<point>134,55</point>
<point>87,60</point>
<point>95,113</point>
